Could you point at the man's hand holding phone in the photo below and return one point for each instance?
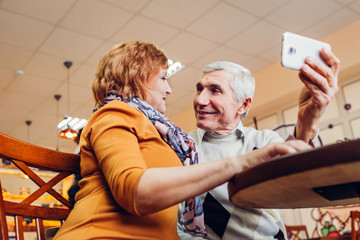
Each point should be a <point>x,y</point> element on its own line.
<point>296,48</point>
<point>319,72</point>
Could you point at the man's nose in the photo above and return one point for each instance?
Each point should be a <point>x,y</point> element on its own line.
<point>202,98</point>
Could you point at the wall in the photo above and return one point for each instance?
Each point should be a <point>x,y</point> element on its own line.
<point>344,43</point>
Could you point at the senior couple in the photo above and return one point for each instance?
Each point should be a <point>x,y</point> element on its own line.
<point>141,177</point>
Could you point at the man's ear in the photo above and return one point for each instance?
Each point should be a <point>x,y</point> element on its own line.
<point>244,106</point>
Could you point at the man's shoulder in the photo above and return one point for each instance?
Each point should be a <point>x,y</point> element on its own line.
<point>249,133</point>
<point>265,135</point>
<point>197,134</point>
<point>257,131</point>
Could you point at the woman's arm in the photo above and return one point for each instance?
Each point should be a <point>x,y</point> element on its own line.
<point>160,188</point>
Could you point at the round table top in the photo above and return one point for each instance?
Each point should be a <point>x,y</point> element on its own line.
<point>319,177</point>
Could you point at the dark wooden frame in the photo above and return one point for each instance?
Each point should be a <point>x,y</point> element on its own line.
<point>295,230</point>
<point>26,157</point>
<point>354,215</point>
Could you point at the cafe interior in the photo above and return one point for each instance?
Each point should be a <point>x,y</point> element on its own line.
<point>49,51</point>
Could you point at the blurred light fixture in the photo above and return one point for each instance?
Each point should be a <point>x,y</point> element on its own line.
<point>68,132</point>
<point>174,67</point>
<point>23,175</point>
<point>28,123</point>
<point>70,126</point>
<point>57,98</point>
<point>19,72</point>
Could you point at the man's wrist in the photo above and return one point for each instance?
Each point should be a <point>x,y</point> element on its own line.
<point>306,135</point>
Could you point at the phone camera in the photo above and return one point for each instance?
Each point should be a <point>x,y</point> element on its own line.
<point>292,50</point>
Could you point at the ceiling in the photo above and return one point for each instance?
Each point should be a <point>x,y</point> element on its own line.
<point>37,36</point>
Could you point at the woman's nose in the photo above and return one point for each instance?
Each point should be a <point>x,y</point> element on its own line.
<point>168,90</point>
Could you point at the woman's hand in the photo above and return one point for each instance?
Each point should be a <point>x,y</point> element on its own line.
<point>267,153</point>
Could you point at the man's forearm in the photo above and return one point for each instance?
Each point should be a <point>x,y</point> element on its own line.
<point>306,132</point>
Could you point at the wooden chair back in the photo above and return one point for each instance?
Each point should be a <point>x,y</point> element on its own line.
<point>31,159</point>
<point>294,231</point>
<point>355,231</point>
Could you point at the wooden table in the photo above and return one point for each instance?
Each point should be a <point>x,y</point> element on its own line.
<point>319,177</point>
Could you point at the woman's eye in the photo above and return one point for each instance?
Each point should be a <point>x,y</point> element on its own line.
<point>215,90</point>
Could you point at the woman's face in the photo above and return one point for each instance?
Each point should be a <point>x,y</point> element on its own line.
<point>158,89</point>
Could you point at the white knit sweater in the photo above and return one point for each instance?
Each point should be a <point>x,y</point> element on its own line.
<point>223,219</point>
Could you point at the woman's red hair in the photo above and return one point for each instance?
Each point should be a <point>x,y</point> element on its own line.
<point>126,68</point>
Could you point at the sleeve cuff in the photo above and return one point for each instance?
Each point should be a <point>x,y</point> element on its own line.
<point>313,142</point>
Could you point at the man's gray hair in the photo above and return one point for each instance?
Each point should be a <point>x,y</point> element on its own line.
<point>242,83</point>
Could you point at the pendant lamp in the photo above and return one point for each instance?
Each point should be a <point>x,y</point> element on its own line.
<point>57,98</point>
<point>28,123</point>
<point>68,132</point>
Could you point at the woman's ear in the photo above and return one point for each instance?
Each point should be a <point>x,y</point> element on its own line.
<point>244,106</point>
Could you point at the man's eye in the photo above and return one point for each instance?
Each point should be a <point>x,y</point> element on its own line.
<point>164,78</point>
<point>215,90</point>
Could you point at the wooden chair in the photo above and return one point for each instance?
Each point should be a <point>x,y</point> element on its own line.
<point>294,231</point>
<point>30,159</point>
<point>355,218</point>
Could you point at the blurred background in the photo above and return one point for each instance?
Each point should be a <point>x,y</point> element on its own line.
<point>38,36</point>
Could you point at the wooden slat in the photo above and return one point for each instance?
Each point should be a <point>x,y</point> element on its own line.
<point>295,231</point>
<point>44,187</point>
<point>4,231</point>
<point>47,213</point>
<point>53,160</point>
<point>25,156</point>
<point>47,188</point>
<point>40,232</point>
<point>19,228</point>
<point>354,215</point>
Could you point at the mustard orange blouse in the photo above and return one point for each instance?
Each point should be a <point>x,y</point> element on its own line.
<point>117,145</point>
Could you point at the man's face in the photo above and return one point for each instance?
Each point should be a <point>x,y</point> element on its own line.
<point>215,108</point>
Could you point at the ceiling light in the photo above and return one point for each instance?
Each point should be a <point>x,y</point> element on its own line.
<point>73,123</point>
<point>70,126</point>
<point>174,67</point>
<point>57,97</point>
<point>68,132</point>
<point>28,123</point>
<point>19,72</point>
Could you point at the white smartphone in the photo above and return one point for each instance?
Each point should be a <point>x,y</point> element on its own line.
<point>296,48</point>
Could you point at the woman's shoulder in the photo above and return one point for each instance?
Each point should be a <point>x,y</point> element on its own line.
<point>118,109</point>
<point>117,113</point>
<point>118,106</point>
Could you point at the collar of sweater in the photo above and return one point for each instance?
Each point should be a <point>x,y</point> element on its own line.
<point>232,137</point>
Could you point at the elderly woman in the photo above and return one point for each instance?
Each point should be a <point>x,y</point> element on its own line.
<point>131,156</point>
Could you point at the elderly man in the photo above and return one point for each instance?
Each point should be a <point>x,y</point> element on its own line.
<point>224,95</point>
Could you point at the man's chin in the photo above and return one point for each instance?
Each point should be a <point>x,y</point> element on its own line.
<point>203,125</point>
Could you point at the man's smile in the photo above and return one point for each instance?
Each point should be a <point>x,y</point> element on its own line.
<point>203,112</point>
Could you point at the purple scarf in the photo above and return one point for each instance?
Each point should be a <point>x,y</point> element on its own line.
<point>192,218</point>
